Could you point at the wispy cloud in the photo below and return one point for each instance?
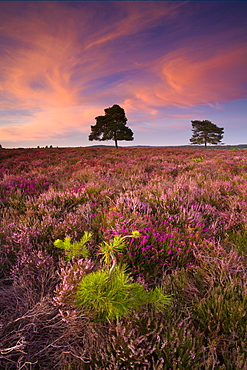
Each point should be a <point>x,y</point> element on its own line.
<point>195,79</point>
<point>62,63</point>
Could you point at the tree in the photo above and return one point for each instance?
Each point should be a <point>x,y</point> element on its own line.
<point>111,126</point>
<point>205,132</point>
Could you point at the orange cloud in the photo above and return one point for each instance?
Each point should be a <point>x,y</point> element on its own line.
<point>62,63</point>
<point>187,78</point>
<point>45,74</point>
<point>50,124</point>
<point>37,71</point>
<point>197,79</point>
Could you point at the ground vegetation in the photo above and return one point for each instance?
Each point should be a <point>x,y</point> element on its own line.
<point>176,219</point>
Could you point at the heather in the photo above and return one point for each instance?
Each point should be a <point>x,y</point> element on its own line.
<point>189,208</point>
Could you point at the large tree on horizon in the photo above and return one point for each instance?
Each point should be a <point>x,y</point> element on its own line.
<point>111,126</point>
<point>205,132</point>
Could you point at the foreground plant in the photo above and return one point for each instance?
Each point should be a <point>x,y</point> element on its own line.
<point>75,249</point>
<point>109,293</point>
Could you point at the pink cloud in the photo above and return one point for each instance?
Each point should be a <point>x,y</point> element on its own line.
<point>58,58</point>
<point>187,78</point>
<point>50,124</point>
<point>197,79</point>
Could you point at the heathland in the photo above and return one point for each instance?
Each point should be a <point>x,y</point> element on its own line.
<point>187,208</point>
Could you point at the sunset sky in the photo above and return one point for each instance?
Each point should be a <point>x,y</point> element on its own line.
<point>166,63</point>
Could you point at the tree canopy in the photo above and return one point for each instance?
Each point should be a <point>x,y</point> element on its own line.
<point>205,132</point>
<point>111,126</point>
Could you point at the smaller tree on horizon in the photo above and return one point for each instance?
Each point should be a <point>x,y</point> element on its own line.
<point>111,126</point>
<point>205,132</point>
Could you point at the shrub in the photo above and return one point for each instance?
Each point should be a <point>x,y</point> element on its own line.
<point>108,293</point>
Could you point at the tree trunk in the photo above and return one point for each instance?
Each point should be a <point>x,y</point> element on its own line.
<point>205,144</point>
<point>116,143</point>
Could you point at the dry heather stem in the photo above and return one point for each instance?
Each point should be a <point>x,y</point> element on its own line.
<point>41,339</point>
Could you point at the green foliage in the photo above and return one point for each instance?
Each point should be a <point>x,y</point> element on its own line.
<point>206,132</point>
<point>112,298</point>
<point>105,298</point>
<point>107,250</point>
<point>111,126</point>
<point>75,249</point>
<point>135,234</point>
<point>198,159</point>
<point>109,293</point>
<point>157,299</point>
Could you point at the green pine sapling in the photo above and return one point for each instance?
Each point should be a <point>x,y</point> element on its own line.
<point>74,249</point>
<point>109,293</point>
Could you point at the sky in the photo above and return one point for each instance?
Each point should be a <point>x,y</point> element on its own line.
<point>165,63</point>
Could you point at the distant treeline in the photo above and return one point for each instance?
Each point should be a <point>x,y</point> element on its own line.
<point>239,146</point>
